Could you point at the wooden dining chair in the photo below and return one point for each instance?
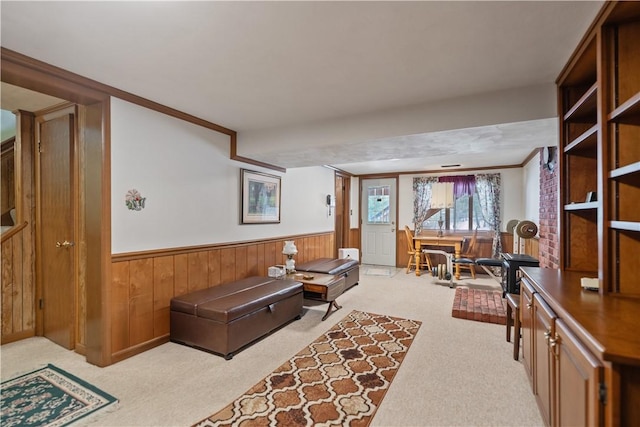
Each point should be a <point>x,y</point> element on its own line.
<point>468,254</point>
<point>423,259</point>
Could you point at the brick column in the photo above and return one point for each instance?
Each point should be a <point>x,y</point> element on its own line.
<point>549,236</point>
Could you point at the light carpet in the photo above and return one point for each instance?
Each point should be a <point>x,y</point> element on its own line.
<point>373,271</point>
<point>50,397</point>
<point>339,379</point>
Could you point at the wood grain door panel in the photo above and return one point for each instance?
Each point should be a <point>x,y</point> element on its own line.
<point>578,378</point>
<point>543,326</point>
<point>526,313</point>
<point>57,250</point>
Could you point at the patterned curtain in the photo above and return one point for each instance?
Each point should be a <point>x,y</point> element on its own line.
<point>488,188</point>
<point>421,200</point>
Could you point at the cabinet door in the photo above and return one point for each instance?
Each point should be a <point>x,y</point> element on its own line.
<point>578,375</point>
<point>526,319</point>
<point>543,365</point>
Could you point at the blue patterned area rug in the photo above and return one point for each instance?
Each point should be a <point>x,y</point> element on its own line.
<point>49,397</point>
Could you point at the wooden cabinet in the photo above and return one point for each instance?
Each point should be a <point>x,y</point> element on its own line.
<point>544,363</point>
<point>599,112</point>
<point>567,379</point>
<point>584,349</point>
<point>526,322</point>
<point>577,380</point>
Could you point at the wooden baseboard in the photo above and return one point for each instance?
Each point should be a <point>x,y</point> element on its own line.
<point>6,339</point>
<point>140,348</point>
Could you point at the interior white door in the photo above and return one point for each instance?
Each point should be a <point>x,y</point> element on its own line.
<point>378,221</point>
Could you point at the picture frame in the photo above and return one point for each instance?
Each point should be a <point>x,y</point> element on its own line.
<point>592,196</point>
<point>260,197</point>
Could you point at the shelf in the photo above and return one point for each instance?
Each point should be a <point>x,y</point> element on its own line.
<point>628,112</point>
<point>625,171</point>
<point>581,206</point>
<point>585,110</point>
<point>587,141</point>
<point>625,225</point>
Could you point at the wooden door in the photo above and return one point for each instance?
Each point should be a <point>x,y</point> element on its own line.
<point>342,208</point>
<point>577,381</point>
<point>543,367</point>
<point>55,210</point>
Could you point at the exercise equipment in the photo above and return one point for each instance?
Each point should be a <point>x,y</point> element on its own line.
<point>521,230</point>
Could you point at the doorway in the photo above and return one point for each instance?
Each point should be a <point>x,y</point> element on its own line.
<point>342,210</point>
<point>55,211</point>
<point>378,219</point>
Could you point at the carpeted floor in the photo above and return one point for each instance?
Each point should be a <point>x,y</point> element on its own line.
<point>456,373</point>
<point>379,271</point>
<point>339,379</point>
<point>50,397</point>
<point>480,305</point>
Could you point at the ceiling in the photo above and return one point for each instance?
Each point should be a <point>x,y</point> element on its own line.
<point>262,67</point>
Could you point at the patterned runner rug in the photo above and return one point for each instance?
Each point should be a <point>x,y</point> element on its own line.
<point>339,379</point>
<point>49,397</point>
<point>479,304</point>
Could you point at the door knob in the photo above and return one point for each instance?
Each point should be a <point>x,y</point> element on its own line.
<point>64,244</point>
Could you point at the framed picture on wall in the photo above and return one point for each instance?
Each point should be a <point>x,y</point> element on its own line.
<point>260,197</point>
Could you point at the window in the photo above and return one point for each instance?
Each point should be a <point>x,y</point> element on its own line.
<point>468,212</point>
<point>378,205</point>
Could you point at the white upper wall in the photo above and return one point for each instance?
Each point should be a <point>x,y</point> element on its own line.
<point>192,188</point>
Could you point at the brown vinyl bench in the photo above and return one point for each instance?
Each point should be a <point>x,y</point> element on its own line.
<point>226,318</point>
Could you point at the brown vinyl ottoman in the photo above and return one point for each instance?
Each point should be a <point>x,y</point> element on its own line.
<point>347,268</point>
<point>225,318</point>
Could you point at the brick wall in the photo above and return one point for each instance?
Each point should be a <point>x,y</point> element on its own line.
<point>549,238</point>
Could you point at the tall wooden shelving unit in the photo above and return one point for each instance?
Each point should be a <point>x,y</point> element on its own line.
<point>581,349</point>
<point>599,103</point>
<point>621,158</point>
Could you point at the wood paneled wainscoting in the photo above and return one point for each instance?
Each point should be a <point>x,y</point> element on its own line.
<point>531,247</point>
<point>18,285</point>
<point>143,283</point>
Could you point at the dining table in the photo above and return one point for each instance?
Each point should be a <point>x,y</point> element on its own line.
<point>454,241</point>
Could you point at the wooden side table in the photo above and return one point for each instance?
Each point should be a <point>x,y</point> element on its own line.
<point>322,287</point>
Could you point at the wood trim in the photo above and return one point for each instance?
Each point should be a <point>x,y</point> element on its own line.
<point>13,231</point>
<point>354,238</point>
<point>439,171</point>
<point>141,348</point>
<point>128,256</point>
<point>8,144</point>
<point>233,154</point>
<point>531,155</point>
<point>94,120</point>
<point>30,73</point>
<point>8,338</point>
<point>339,171</point>
<point>21,70</point>
<point>394,175</point>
